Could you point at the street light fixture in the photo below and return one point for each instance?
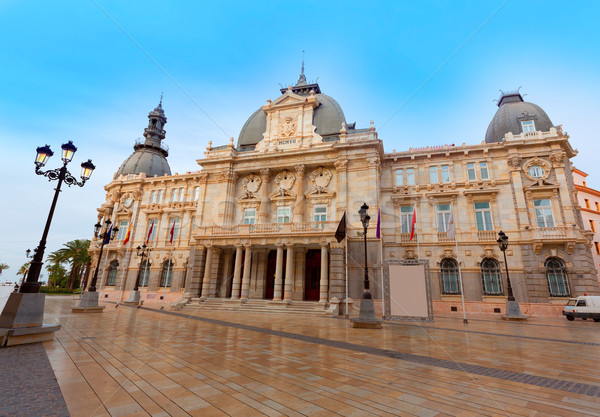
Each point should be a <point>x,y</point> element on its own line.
<point>513,312</point>
<point>366,317</point>
<point>109,234</point>
<point>61,174</point>
<point>143,252</point>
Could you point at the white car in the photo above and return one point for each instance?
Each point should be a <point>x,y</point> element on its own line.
<point>584,307</point>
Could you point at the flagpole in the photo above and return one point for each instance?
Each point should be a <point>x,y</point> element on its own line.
<point>143,278</point>
<point>168,266</point>
<point>462,292</point>
<point>126,266</point>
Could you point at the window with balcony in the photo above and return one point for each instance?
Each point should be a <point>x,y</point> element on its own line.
<point>122,229</point>
<point>528,126</point>
<point>483,171</point>
<point>113,271</point>
<point>166,275</point>
<point>320,213</point>
<point>558,284</point>
<point>283,214</point>
<point>490,275</point>
<point>543,213</point>
<point>250,216</point>
<point>406,213</point>
<point>471,175</point>
<point>449,276</point>
<point>443,212</point>
<point>433,175</point>
<point>483,215</point>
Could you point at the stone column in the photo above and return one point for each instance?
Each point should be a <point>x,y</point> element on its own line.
<point>237,273</point>
<point>299,208</point>
<point>323,296</point>
<point>289,274</point>
<point>247,270</point>
<point>197,272</point>
<point>337,282</point>
<point>263,213</point>
<point>278,274</point>
<point>227,267</point>
<point>207,270</point>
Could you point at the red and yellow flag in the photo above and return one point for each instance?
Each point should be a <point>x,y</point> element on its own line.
<point>128,234</point>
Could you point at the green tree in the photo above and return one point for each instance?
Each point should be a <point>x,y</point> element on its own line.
<point>24,270</point>
<point>75,253</point>
<point>3,267</point>
<point>57,275</point>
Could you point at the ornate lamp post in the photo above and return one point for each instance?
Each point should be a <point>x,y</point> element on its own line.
<point>366,317</point>
<point>26,308</point>
<point>31,284</point>
<point>144,253</point>
<point>513,312</point>
<point>109,234</point>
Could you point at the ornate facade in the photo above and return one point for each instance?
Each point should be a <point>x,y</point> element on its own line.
<point>257,221</point>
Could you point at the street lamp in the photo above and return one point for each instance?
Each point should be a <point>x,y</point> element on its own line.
<point>61,174</point>
<point>109,234</point>
<point>366,317</point>
<point>143,252</point>
<point>513,312</point>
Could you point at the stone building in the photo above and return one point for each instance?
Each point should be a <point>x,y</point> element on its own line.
<point>255,224</point>
<point>589,202</point>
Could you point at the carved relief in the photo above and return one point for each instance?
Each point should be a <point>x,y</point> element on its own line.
<point>320,178</point>
<point>285,181</point>
<point>127,199</point>
<point>514,161</point>
<point>537,247</point>
<point>557,158</point>
<point>287,126</point>
<point>251,184</point>
<point>341,164</point>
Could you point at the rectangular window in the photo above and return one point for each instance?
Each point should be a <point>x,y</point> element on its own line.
<point>320,213</point>
<point>175,231</point>
<point>283,214</point>
<point>483,170</point>
<point>250,216</point>
<point>543,213</point>
<point>410,176</point>
<point>587,203</point>
<point>122,229</point>
<point>597,247</point>
<point>471,171</point>
<point>181,194</point>
<point>592,226</point>
<point>443,217</point>
<point>597,206</point>
<point>406,214</point>
<point>445,173</point>
<point>196,193</point>
<point>153,234</point>
<point>399,177</point>
<point>174,195</point>
<point>483,215</point>
<point>528,126</point>
<point>153,197</point>
<point>160,196</point>
<point>433,175</point>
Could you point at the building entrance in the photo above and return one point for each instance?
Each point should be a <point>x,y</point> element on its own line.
<point>271,269</point>
<point>312,277</point>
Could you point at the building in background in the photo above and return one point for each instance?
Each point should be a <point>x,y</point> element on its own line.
<point>255,225</point>
<point>589,203</point>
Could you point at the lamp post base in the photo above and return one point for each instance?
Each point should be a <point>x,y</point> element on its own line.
<point>88,304</point>
<point>21,320</point>
<point>513,312</point>
<point>366,318</point>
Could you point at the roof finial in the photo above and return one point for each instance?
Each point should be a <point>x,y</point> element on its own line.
<point>302,79</point>
<point>161,96</point>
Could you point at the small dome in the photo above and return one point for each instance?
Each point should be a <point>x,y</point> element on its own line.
<point>327,118</point>
<point>511,112</point>
<point>148,160</point>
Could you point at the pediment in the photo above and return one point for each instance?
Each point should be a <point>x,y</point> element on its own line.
<point>288,98</point>
<point>318,191</point>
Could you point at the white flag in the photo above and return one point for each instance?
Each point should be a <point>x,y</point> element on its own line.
<point>451,231</point>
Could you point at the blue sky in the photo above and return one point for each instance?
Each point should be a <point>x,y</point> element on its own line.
<point>90,71</point>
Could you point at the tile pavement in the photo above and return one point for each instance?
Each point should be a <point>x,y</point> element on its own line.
<point>128,362</point>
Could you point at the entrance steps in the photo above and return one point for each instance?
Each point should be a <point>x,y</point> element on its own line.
<point>258,306</point>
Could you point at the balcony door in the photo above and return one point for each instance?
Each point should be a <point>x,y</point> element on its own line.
<point>312,277</point>
<point>271,269</point>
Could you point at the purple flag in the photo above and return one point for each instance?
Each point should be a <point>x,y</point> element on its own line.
<point>378,233</point>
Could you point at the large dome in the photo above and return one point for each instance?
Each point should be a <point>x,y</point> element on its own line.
<point>511,112</point>
<point>147,160</point>
<point>327,118</point>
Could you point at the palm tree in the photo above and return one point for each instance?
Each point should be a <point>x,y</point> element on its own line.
<point>3,267</point>
<point>75,253</point>
<point>24,270</point>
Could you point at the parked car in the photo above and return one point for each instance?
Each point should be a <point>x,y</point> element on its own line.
<point>584,307</point>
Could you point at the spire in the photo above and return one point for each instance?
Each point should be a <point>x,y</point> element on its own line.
<point>302,79</point>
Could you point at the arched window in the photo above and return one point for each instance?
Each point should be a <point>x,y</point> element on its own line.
<point>166,274</point>
<point>113,271</point>
<point>490,275</point>
<point>558,284</point>
<point>449,271</point>
<point>144,274</point>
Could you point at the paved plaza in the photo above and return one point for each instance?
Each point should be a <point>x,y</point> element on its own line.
<point>129,361</point>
